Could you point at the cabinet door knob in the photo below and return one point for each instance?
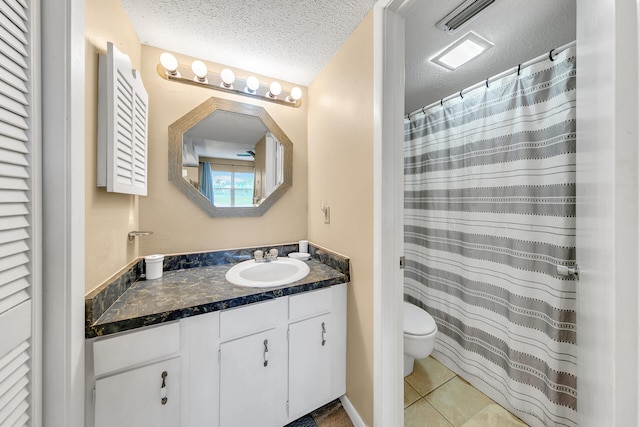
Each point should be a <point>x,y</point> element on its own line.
<point>266,352</point>
<point>324,334</point>
<point>163,389</point>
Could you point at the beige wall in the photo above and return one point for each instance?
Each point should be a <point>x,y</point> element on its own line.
<point>337,119</point>
<point>108,216</point>
<point>341,172</point>
<point>180,226</point>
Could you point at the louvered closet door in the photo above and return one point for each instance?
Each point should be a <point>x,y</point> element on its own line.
<point>15,213</point>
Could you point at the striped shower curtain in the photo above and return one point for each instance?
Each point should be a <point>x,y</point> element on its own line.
<point>489,215</point>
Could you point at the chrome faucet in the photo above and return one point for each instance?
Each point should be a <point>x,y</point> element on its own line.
<point>272,255</point>
<point>261,256</point>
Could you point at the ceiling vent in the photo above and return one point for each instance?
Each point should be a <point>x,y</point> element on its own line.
<point>462,14</point>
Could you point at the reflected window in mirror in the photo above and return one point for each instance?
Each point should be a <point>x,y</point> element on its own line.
<point>233,157</point>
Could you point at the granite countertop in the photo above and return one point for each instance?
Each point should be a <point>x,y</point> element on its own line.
<point>186,292</point>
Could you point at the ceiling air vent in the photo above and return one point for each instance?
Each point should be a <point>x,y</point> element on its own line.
<point>462,14</point>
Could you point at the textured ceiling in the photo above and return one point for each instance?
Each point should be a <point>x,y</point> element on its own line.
<point>284,39</point>
<point>224,134</point>
<point>520,30</point>
<point>293,40</point>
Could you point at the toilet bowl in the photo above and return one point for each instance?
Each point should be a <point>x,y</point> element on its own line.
<point>419,335</point>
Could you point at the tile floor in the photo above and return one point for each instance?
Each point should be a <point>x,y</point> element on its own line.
<point>434,396</point>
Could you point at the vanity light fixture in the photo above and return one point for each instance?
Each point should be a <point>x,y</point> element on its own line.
<point>199,68</point>
<point>225,80</point>
<point>296,94</point>
<point>252,85</point>
<point>462,51</point>
<point>170,64</point>
<point>275,89</point>
<point>228,78</point>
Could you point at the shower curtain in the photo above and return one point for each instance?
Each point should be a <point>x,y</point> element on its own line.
<point>489,215</point>
<point>206,181</point>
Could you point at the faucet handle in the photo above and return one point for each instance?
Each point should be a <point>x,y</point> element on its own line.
<point>272,255</point>
<point>258,255</point>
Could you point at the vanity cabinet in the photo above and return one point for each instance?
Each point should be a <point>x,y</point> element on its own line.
<point>310,343</point>
<point>251,373</point>
<point>253,365</point>
<point>301,338</point>
<point>263,364</point>
<point>316,347</point>
<point>138,378</point>
<point>145,396</point>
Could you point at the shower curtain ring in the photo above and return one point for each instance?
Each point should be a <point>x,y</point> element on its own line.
<point>423,111</point>
<point>551,58</point>
<point>487,83</point>
<point>441,102</point>
<point>519,68</point>
<point>461,97</point>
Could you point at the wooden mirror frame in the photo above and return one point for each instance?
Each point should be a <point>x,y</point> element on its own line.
<point>193,117</point>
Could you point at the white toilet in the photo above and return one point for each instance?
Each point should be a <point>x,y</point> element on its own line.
<point>419,335</point>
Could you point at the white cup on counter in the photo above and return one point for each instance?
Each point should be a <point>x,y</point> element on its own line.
<point>153,266</point>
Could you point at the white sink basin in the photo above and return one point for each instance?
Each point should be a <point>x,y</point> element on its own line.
<point>280,272</point>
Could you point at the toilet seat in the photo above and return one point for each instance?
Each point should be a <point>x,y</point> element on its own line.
<point>417,322</point>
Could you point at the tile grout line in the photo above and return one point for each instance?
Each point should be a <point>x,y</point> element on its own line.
<point>456,401</point>
<point>441,414</point>
<point>432,391</point>
<point>436,409</point>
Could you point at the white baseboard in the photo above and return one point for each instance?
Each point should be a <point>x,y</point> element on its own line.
<point>351,411</point>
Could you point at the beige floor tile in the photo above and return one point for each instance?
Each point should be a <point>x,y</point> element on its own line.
<point>410,395</point>
<point>421,414</point>
<point>494,415</point>
<point>458,401</point>
<point>428,374</point>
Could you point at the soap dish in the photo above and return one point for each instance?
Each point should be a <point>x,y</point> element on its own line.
<point>302,256</point>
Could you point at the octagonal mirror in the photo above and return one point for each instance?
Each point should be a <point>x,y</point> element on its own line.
<point>229,158</point>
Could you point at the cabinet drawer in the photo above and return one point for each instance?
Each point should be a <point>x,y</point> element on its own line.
<point>252,318</point>
<point>120,352</point>
<point>309,304</point>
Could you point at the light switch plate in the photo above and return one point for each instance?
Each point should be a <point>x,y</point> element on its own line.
<point>327,214</point>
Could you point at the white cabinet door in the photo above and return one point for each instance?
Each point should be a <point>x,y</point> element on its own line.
<point>253,373</point>
<point>310,354</point>
<point>135,398</point>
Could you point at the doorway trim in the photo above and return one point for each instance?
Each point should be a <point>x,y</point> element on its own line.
<point>62,50</point>
<point>388,236</point>
<point>610,34</point>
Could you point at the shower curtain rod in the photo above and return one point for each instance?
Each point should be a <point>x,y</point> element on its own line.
<point>551,55</point>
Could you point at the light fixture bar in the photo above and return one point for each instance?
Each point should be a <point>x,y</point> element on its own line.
<point>462,14</point>
<point>249,87</point>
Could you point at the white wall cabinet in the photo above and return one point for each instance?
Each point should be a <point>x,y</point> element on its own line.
<point>217,375</point>
<point>122,125</point>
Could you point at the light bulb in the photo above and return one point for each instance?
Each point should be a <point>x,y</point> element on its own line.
<point>252,85</point>
<point>199,68</point>
<point>227,77</point>
<point>169,63</point>
<point>296,94</point>
<point>274,90</point>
